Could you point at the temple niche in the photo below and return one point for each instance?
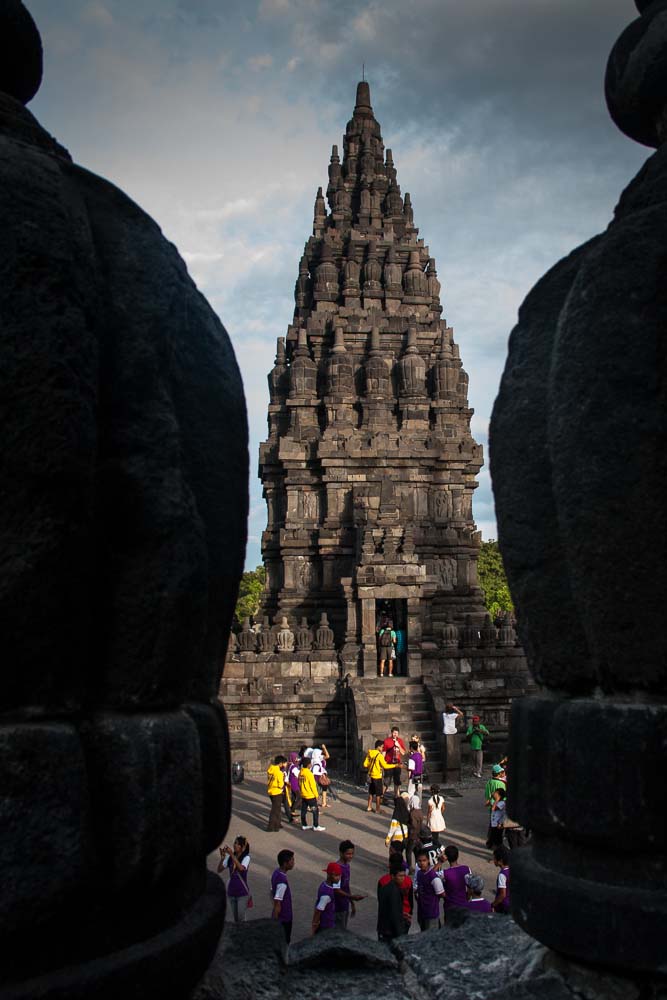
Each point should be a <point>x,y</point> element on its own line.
<point>369,466</point>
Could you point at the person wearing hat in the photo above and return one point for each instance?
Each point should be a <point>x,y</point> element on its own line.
<point>496,781</point>
<point>474,890</point>
<point>477,733</point>
<point>324,915</point>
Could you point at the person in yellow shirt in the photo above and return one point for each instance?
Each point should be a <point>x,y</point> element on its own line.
<point>308,789</point>
<point>275,774</point>
<point>375,765</point>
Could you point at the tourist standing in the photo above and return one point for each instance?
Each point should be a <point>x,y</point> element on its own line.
<point>387,643</point>
<point>429,890</point>
<point>497,780</point>
<point>308,792</point>
<point>318,761</point>
<point>415,769</point>
<point>375,765</point>
<point>281,894</point>
<point>414,832</point>
<point>275,787</point>
<point>324,915</point>
<point>435,814</point>
<point>477,733</point>
<point>292,780</point>
<point>454,880</point>
<point>497,818</point>
<point>449,719</point>
<point>236,861</point>
<point>399,828</point>
<point>394,751</point>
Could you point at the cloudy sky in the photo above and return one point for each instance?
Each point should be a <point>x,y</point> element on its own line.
<point>218,117</point>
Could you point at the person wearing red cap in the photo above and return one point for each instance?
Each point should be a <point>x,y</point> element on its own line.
<point>324,915</point>
<point>477,733</point>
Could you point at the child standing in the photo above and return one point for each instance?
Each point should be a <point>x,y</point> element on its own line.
<point>281,895</point>
<point>435,814</point>
<point>454,880</point>
<point>430,890</point>
<point>497,817</point>
<point>324,915</point>
<point>343,897</point>
<point>501,859</point>
<point>236,860</point>
<point>474,890</point>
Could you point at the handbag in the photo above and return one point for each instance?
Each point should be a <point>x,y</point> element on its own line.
<point>324,780</point>
<point>250,902</point>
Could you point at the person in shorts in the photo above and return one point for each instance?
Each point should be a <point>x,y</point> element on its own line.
<point>375,765</point>
<point>394,751</point>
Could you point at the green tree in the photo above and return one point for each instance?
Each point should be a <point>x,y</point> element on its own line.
<point>492,579</point>
<point>250,594</point>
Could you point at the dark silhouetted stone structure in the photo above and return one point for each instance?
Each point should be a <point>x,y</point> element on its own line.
<point>122,526</point>
<point>579,463</point>
<point>368,472</point>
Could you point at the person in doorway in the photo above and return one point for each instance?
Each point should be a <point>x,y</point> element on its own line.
<point>324,915</point>
<point>435,814</point>
<point>281,895</point>
<point>477,733</point>
<point>387,644</point>
<point>236,860</point>
<point>308,791</point>
<point>429,891</point>
<point>375,765</point>
<point>394,751</point>
<point>400,666</point>
<point>275,786</point>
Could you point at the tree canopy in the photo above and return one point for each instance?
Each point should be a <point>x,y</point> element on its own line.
<point>492,579</point>
<point>250,594</point>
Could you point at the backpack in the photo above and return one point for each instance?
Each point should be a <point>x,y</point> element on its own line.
<point>385,638</point>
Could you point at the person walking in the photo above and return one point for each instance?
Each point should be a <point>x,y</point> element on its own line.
<point>275,787</point>
<point>344,897</point>
<point>375,765</point>
<point>399,828</point>
<point>308,792</point>
<point>415,769</point>
<point>477,733</point>
<point>236,861</point>
<point>324,915</point>
<point>414,831</point>
<point>435,814</point>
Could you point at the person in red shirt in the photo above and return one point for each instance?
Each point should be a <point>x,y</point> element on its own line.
<point>394,751</point>
<point>395,901</point>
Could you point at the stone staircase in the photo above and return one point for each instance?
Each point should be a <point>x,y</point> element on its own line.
<point>406,703</point>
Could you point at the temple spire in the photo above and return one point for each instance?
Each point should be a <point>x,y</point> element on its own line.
<point>363,97</point>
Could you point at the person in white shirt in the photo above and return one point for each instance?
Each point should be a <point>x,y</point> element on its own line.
<point>449,717</point>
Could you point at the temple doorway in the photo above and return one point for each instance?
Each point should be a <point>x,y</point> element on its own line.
<point>396,611</point>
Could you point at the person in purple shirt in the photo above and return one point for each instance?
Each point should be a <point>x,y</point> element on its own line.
<point>324,915</point>
<point>501,859</point>
<point>236,860</point>
<point>454,880</point>
<point>281,894</point>
<point>344,899</point>
<point>292,779</point>
<point>475,888</point>
<point>429,890</point>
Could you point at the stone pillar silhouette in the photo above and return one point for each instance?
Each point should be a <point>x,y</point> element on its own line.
<point>123,511</point>
<point>579,466</point>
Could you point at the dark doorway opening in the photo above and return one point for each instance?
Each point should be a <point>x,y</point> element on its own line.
<point>395,611</point>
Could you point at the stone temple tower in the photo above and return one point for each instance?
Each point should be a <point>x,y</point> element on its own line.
<point>369,466</point>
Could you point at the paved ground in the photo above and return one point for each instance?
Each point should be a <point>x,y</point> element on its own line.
<point>347,818</point>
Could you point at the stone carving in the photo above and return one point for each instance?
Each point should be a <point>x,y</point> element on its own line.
<point>265,639</point>
<point>376,370</point>
<point>303,370</point>
<point>130,429</point>
<point>285,637</point>
<point>247,639</point>
<point>351,273</point>
<point>279,375</point>
<point>411,368</point>
<point>393,275</point>
<point>415,283</point>
<point>432,282</point>
<point>442,504</point>
<point>303,288</point>
<point>408,213</point>
<point>310,505</point>
<point>488,635</point>
<point>393,203</point>
<point>324,637</point>
<point>445,371</point>
<point>444,571</point>
<point>303,636</point>
<point>450,635</point>
<point>506,632</point>
<point>372,271</point>
<point>326,276</point>
<point>339,367</point>
<point>587,545</point>
<point>469,633</point>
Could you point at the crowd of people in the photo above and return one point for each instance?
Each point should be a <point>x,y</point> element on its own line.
<point>422,880</point>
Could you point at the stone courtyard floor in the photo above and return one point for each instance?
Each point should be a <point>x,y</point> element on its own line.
<point>465,815</point>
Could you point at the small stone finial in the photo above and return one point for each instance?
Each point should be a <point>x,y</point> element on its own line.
<point>324,637</point>
<point>320,207</point>
<point>363,96</point>
<point>21,57</point>
<point>334,154</point>
<point>375,339</point>
<point>339,341</point>
<point>411,345</point>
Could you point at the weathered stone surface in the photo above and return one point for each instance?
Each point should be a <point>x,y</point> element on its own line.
<point>579,466</point>
<point>122,533</point>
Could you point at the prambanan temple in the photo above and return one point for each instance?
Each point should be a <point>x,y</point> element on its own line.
<point>368,473</point>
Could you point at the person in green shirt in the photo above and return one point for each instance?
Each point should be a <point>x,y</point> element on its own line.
<point>497,780</point>
<point>477,733</point>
